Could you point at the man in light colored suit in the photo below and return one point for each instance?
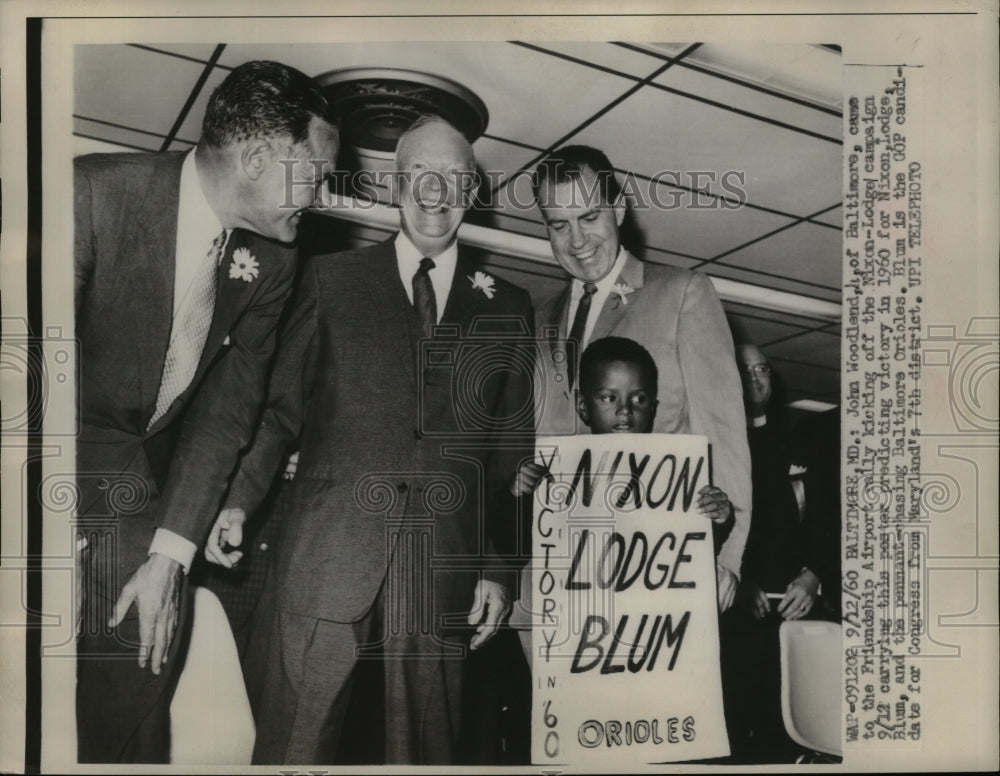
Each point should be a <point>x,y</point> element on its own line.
<point>403,378</point>
<point>675,314</point>
<point>183,264</point>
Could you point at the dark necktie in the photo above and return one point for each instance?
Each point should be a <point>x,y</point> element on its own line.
<point>579,327</point>
<point>423,296</point>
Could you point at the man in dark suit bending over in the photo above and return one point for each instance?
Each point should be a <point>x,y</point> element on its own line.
<point>183,264</point>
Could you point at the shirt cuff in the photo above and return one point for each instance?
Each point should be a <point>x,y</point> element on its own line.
<point>174,546</point>
<point>758,421</point>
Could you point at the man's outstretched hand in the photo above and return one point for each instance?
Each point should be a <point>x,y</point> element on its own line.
<point>714,504</point>
<point>155,589</point>
<point>800,595</point>
<point>489,608</point>
<point>727,583</point>
<point>527,478</point>
<point>228,529</point>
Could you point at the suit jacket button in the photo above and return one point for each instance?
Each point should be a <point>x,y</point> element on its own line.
<point>402,487</point>
<point>263,546</point>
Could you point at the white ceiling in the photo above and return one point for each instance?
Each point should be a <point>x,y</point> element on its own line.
<point>770,114</point>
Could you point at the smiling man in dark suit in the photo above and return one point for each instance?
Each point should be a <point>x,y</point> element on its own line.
<point>403,376</point>
<point>183,264</point>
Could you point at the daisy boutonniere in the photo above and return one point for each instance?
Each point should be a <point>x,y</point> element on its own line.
<point>483,282</point>
<point>244,266</point>
<point>622,290</point>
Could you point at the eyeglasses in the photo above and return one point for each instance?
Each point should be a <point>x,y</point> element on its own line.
<point>756,369</point>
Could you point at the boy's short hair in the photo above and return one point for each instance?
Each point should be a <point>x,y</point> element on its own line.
<point>603,351</point>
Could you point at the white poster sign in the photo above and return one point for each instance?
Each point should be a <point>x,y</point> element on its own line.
<point>625,645</point>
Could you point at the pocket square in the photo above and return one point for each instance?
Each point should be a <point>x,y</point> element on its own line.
<point>226,341</point>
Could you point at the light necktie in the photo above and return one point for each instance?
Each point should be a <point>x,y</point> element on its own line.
<point>423,296</point>
<point>191,325</point>
<point>799,488</point>
<point>579,327</point>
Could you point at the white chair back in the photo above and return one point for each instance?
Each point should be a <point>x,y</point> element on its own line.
<point>812,683</point>
<point>210,718</point>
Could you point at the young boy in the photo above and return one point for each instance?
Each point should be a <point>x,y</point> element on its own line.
<point>617,395</point>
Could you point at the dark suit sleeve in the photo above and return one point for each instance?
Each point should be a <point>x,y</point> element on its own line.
<point>774,554</point>
<point>221,418</point>
<point>508,518</point>
<point>818,449</point>
<point>281,422</point>
<point>83,232</point>
<point>715,404</point>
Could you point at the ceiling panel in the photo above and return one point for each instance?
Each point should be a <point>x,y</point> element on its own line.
<point>500,160</point>
<point>606,55</point>
<point>670,49</point>
<point>199,52</point>
<point>816,348</point>
<point>804,381</point>
<point>657,256</point>
<point>780,282</point>
<point>811,72</point>
<point>131,138</point>
<point>516,198</point>
<point>505,76</point>
<point>833,217</point>
<point>665,217</point>
<point>759,331</point>
<point>805,252</point>
<point>781,169</point>
<point>132,87</point>
<point>682,221</point>
<point>85,145</point>
<point>799,321</point>
<point>732,94</point>
<point>531,228</point>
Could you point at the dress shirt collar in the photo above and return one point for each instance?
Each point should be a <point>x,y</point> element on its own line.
<point>197,228</point>
<point>604,286</point>
<point>408,261</point>
<point>195,214</point>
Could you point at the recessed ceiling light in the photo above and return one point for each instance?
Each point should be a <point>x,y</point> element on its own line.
<point>377,104</point>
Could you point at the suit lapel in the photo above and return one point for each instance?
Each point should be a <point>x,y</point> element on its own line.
<point>464,302</point>
<point>153,243</point>
<point>231,298</point>
<point>615,306</point>
<point>559,326</point>
<point>560,312</point>
<point>389,298</point>
<point>232,294</point>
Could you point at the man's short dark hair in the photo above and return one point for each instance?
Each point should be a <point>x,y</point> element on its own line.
<point>568,164</point>
<point>262,99</point>
<point>602,352</point>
